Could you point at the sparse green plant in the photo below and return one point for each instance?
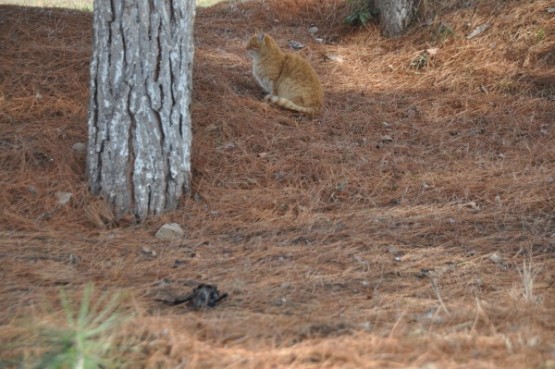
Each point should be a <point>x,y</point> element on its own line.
<point>84,342</point>
<point>360,12</point>
<point>540,35</point>
<point>420,61</point>
<point>443,32</point>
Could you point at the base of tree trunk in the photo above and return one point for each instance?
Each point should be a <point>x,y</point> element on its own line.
<point>138,156</point>
<point>395,15</point>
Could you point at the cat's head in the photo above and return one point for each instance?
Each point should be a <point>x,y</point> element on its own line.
<point>258,44</point>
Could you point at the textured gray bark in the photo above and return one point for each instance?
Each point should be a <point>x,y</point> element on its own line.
<point>139,122</point>
<point>395,15</point>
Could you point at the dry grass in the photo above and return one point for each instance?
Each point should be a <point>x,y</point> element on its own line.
<point>338,247</point>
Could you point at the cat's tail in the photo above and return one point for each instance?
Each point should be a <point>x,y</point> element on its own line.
<point>288,104</point>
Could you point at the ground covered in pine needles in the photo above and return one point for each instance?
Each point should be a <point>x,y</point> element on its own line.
<point>410,225</point>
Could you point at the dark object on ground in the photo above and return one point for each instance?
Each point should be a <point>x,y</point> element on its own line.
<point>202,296</point>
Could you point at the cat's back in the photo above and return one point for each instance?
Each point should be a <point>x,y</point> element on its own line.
<point>296,64</point>
<point>296,68</point>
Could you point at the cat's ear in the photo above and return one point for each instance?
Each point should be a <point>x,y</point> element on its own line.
<point>261,36</point>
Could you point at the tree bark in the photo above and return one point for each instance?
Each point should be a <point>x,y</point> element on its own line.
<point>395,15</point>
<point>139,124</point>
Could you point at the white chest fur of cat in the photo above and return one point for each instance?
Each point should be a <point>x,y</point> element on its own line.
<point>289,80</point>
<point>258,73</point>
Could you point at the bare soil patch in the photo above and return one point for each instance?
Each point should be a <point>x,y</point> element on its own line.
<point>388,232</point>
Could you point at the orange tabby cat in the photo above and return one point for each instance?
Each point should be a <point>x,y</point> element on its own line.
<point>288,79</point>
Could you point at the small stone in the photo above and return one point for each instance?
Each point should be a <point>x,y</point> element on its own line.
<point>433,51</point>
<point>79,148</point>
<point>393,250</point>
<point>169,231</point>
<point>386,138</point>
<point>295,45</point>
<point>333,57</point>
<point>476,31</point>
<point>533,341</point>
<point>149,252</point>
<point>551,10</point>
<point>63,197</point>
<point>312,29</point>
<point>496,258</point>
<point>229,146</point>
<point>279,176</point>
<point>367,326</point>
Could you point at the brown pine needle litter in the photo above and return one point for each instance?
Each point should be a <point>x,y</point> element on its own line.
<point>410,225</point>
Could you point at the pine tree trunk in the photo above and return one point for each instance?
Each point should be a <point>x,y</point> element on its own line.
<point>139,122</point>
<point>395,15</point>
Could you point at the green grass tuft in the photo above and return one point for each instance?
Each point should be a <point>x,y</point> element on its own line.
<point>85,340</point>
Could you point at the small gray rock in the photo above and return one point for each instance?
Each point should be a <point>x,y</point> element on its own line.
<point>63,197</point>
<point>169,231</point>
<point>32,189</point>
<point>478,30</point>
<point>79,148</point>
<point>295,45</point>
<point>386,138</point>
<point>496,258</point>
